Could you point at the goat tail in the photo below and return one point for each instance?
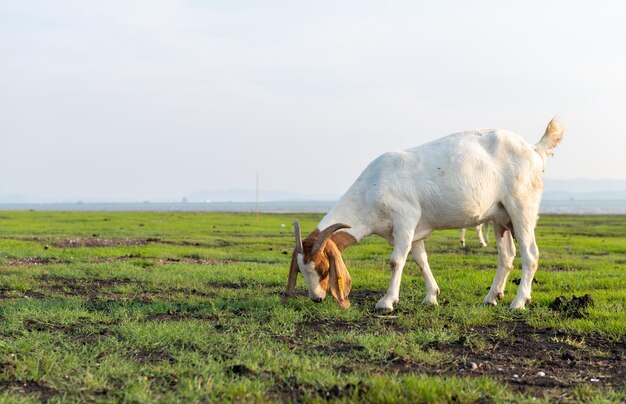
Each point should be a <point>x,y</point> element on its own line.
<point>552,137</point>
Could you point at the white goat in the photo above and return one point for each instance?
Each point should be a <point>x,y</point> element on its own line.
<point>457,181</point>
<point>479,232</point>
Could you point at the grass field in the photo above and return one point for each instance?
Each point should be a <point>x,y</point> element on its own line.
<point>186,307</point>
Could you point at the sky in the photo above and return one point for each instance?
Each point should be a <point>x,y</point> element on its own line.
<point>154,99</point>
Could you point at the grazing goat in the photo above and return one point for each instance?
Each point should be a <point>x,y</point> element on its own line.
<point>457,181</point>
<point>479,232</point>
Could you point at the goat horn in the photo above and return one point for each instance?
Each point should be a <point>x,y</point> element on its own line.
<point>321,240</point>
<point>296,227</point>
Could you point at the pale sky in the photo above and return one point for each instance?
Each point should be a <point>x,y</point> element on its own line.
<point>158,99</point>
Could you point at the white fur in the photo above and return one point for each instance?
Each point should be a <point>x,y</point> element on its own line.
<point>311,278</point>
<point>458,181</point>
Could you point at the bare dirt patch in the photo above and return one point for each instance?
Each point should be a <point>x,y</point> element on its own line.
<point>564,268</point>
<point>365,296</point>
<point>6,293</point>
<point>487,267</point>
<point>31,325</point>
<point>174,315</point>
<point>208,244</point>
<point>541,362</point>
<point>43,392</point>
<point>96,242</point>
<point>107,282</point>
<point>395,363</point>
<point>197,260</point>
<point>89,288</point>
<point>29,261</point>
<point>192,259</point>
<point>290,389</point>
<point>100,290</point>
<point>85,334</point>
<point>531,359</point>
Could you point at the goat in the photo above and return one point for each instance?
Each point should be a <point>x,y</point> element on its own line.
<point>460,180</point>
<point>479,232</point>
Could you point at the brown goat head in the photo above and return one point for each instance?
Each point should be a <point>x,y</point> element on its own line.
<point>319,260</point>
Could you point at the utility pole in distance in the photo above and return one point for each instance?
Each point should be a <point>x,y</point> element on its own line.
<point>257,196</point>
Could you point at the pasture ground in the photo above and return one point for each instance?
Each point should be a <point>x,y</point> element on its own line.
<point>185,307</point>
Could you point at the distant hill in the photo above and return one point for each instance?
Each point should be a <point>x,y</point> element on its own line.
<point>584,185</point>
<point>584,196</point>
<point>579,189</point>
<point>576,189</point>
<point>583,189</point>
<point>249,195</point>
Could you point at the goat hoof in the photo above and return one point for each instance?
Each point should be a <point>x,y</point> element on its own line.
<point>385,306</point>
<point>519,304</point>
<point>430,301</point>
<point>384,310</point>
<point>490,301</point>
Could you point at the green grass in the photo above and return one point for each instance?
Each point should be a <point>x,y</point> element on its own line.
<point>185,307</point>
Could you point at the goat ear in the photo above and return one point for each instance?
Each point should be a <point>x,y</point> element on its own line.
<point>291,281</point>
<point>340,282</point>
